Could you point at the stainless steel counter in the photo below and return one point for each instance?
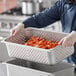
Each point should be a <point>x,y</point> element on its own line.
<point>7,22</point>
<point>11,18</point>
<point>19,67</point>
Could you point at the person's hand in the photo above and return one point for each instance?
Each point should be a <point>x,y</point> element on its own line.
<point>68,40</point>
<point>17,29</point>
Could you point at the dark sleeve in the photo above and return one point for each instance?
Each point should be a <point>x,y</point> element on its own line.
<point>47,17</point>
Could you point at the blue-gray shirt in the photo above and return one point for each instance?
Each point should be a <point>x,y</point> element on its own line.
<point>61,10</point>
